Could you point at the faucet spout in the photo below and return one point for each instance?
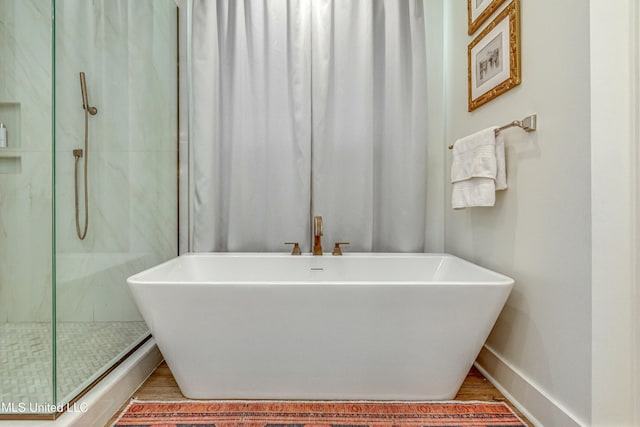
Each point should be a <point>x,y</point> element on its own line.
<point>317,235</point>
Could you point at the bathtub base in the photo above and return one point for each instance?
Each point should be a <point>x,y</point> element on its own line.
<point>284,343</point>
<point>326,341</point>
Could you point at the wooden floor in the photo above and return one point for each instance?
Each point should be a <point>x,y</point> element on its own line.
<point>161,386</point>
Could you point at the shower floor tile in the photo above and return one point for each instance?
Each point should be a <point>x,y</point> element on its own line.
<point>84,350</point>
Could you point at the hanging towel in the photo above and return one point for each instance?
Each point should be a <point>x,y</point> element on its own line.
<point>478,169</point>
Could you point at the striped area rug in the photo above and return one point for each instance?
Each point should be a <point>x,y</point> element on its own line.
<point>317,414</point>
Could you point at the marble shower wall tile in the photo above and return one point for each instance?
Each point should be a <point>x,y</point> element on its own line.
<point>26,193</point>
<point>183,191</point>
<point>109,219</point>
<point>183,168</point>
<point>28,71</point>
<point>93,286</point>
<point>128,52</point>
<point>3,48</point>
<point>25,230</point>
<point>155,229</point>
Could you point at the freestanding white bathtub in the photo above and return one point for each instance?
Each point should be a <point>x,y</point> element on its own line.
<point>358,326</point>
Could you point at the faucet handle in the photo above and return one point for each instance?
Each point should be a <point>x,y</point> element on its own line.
<point>296,248</point>
<point>337,250</point>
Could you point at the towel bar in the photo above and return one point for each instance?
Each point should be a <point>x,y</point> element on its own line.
<point>528,124</point>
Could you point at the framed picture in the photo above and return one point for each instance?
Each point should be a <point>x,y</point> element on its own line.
<point>494,58</point>
<point>479,11</point>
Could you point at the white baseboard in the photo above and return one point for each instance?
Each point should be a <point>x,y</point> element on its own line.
<point>537,406</point>
<point>104,400</point>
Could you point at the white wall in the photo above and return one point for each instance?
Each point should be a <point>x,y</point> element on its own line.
<point>539,232</point>
<point>614,146</point>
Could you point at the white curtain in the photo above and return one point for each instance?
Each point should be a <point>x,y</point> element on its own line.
<point>252,124</point>
<point>305,102</point>
<point>369,114</point>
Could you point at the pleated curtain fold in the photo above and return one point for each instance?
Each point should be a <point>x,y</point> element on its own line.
<point>305,108</point>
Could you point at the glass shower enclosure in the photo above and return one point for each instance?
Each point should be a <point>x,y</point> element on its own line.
<point>88,103</point>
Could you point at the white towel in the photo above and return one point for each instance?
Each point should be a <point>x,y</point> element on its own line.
<point>478,169</point>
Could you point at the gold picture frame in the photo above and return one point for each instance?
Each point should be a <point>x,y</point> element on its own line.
<point>479,11</point>
<point>494,58</point>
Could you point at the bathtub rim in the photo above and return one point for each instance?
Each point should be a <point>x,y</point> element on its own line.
<point>499,279</point>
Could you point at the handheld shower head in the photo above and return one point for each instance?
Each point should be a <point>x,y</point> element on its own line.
<point>85,101</point>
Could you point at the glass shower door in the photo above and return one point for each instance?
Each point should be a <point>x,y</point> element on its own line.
<point>116,122</point>
<point>26,197</point>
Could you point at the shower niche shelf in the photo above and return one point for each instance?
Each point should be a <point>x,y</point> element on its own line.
<point>9,153</point>
<point>11,117</point>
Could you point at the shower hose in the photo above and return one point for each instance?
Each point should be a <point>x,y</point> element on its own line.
<point>77,154</point>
